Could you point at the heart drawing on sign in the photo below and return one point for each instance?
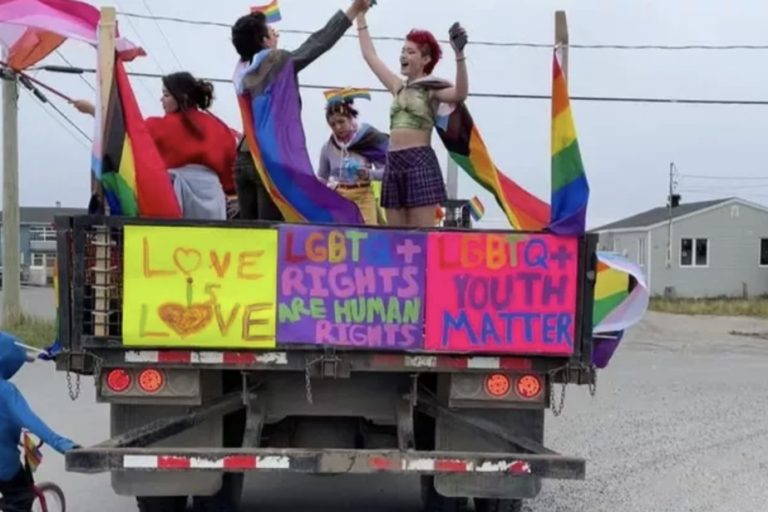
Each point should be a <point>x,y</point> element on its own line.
<point>185,320</point>
<point>187,260</point>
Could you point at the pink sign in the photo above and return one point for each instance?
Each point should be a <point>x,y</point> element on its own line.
<point>501,293</point>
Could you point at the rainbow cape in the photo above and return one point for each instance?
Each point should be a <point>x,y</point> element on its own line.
<point>133,175</point>
<point>570,190</point>
<point>271,11</point>
<point>270,106</point>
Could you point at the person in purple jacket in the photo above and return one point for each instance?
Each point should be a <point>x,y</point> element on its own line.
<point>16,484</point>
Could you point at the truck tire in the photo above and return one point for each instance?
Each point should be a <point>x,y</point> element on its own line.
<point>486,505</point>
<point>434,502</point>
<point>170,504</point>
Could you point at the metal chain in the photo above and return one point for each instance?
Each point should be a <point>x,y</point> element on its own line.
<point>74,389</point>
<point>74,384</point>
<point>593,385</point>
<point>557,409</point>
<point>308,379</point>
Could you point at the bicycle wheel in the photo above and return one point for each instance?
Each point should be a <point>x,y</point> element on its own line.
<point>49,498</point>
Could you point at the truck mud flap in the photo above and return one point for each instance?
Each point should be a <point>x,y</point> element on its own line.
<point>323,461</point>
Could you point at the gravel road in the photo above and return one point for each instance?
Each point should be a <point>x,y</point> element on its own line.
<point>678,424</point>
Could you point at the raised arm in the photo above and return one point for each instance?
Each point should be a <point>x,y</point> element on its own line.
<point>325,38</point>
<point>460,91</point>
<point>385,75</point>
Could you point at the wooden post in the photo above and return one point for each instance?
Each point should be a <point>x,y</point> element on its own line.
<point>11,222</point>
<point>102,267</point>
<point>561,39</point>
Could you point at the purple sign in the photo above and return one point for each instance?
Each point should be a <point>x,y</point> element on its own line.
<point>354,288</point>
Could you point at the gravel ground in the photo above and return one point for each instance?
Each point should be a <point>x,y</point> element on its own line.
<point>678,424</point>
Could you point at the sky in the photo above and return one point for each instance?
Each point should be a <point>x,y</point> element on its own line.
<point>626,147</point>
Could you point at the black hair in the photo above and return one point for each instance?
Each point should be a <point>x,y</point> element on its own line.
<point>248,34</point>
<point>342,108</point>
<point>189,93</point>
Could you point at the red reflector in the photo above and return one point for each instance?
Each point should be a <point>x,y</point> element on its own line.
<point>118,381</point>
<point>528,386</point>
<point>151,380</point>
<point>497,385</point>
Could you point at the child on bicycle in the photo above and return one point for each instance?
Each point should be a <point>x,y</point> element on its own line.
<point>16,484</point>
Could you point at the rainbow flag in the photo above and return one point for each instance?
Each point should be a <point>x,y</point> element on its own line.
<point>570,189</point>
<point>271,11</point>
<point>270,106</point>
<point>476,208</point>
<point>33,457</point>
<point>132,172</point>
<point>347,94</point>
<point>464,143</point>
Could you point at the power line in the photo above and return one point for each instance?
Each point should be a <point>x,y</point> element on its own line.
<point>725,178</point>
<point>162,34</point>
<point>504,96</point>
<point>58,121</point>
<point>145,45</point>
<point>510,44</point>
<point>68,62</point>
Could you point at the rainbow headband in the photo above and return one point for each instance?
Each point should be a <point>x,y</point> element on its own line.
<point>346,95</point>
<point>271,11</point>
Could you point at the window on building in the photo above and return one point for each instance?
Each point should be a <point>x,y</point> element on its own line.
<point>694,252</point>
<point>42,234</point>
<point>764,252</point>
<point>38,259</point>
<point>641,251</point>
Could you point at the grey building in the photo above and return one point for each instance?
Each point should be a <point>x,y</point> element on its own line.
<point>38,237</point>
<point>705,249</point>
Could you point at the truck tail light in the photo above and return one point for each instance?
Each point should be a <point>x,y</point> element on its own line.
<point>528,387</point>
<point>118,380</point>
<point>151,380</point>
<point>497,385</point>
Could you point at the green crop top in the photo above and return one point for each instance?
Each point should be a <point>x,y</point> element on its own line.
<point>412,109</point>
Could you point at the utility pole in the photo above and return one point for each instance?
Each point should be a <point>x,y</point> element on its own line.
<point>452,183</point>
<point>11,242</point>
<point>671,199</point>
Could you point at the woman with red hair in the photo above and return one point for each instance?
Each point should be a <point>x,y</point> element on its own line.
<point>413,185</point>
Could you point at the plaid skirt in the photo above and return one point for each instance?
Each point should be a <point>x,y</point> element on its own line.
<point>413,178</point>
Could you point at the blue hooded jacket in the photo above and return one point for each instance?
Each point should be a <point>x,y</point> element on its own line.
<point>16,414</point>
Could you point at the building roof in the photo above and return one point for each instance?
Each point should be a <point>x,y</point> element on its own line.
<point>658,215</point>
<point>44,214</point>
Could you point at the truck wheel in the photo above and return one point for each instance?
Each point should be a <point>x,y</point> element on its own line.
<point>170,504</point>
<point>434,502</point>
<point>485,505</point>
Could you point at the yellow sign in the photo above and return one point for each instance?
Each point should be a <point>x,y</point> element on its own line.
<point>199,287</point>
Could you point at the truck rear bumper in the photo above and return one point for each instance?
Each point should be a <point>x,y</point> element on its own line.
<point>325,461</point>
<point>133,451</point>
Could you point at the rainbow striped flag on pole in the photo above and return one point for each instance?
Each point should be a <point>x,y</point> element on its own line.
<point>347,94</point>
<point>570,189</point>
<point>271,11</point>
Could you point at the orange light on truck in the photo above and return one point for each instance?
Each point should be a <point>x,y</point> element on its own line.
<point>151,380</point>
<point>118,381</point>
<point>528,387</point>
<point>497,385</point>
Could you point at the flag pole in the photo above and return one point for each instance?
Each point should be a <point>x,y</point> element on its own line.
<point>103,241</point>
<point>562,40</point>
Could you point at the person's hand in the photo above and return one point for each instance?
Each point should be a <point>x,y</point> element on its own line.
<point>361,6</point>
<point>84,106</point>
<point>458,37</point>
